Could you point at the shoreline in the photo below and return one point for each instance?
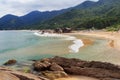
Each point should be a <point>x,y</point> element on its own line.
<point>113,40</point>
<point>74,47</point>
<point>113,37</point>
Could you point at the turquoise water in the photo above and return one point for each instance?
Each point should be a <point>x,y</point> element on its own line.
<point>25,46</point>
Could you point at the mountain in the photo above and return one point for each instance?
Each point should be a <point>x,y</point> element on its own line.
<point>24,22</point>
<point>89,14</point>
<point>10,20</point>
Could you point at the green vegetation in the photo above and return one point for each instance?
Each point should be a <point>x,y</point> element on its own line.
<point>101,14</point>
<point>104,14</point>
<point>26,70</point>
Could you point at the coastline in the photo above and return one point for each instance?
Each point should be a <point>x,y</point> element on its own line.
<point>74,47</point>
<point>112,37</point>
<point>113,40</point>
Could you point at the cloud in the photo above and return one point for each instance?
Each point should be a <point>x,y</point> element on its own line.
<point>21,7</point>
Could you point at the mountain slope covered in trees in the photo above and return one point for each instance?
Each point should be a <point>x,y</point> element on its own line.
<point>89,14</point>
<point>99,15</point>
<point>24,22</point>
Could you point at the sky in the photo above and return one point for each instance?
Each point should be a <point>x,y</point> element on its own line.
<point>22,7</point>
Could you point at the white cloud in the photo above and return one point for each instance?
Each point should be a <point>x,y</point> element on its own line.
<point>21,7</point>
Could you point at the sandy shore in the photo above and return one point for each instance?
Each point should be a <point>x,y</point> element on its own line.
<point>113,41</point>
<point>113,37</point>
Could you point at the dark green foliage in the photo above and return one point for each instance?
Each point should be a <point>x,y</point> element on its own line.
<point>101,14</point>
<point>98,15</point>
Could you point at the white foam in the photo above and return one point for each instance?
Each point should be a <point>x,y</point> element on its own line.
<point>74,48</point>
<point>49,34</point>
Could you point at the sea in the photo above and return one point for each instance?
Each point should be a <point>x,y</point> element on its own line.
<point>26,46</point>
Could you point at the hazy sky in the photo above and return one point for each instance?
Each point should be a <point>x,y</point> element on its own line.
<point>21,7</point>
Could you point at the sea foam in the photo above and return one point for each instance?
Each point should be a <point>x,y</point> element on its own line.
<point>74,48</point>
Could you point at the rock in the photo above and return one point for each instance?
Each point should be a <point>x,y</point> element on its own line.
<point>54,74</point>
<point>58,30</point>
<point>21,77</point>
<point>100,70</point>
<point>10,62</point>
<point>93,72</point>
<point>63,30</point>
<point>66,30</point>
<point>7,76</point>
<point>96,64</point>
<point>41,66</point>
<point>56,67</point>
<point>64,62</point>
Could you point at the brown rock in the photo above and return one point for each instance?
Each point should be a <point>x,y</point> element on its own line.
<point>56,67</point>
<point>93,72</point>
<point>10,62</point>
<point>54,74</point>
<point>40,66</point>
<point>100,70</point>
<point>7,76</point>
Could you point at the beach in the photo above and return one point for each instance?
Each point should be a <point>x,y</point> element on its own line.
<point>113,37</point>
<point>105,49</point>
<point>113,42</point>
<point>85,45</point>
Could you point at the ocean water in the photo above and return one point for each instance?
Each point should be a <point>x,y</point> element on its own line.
<point>27,45</point>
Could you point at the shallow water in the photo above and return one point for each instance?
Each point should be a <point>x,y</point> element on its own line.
<point>25,46</point>
<point>98,51</point>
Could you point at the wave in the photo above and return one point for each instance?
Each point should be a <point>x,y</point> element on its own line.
<point>74,48</point>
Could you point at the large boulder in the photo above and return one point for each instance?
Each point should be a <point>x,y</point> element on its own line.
<point>93,72</point>
<point>10,62</point>
<point>56,67</point>
<point>96,69</point>
<point>41,66</point>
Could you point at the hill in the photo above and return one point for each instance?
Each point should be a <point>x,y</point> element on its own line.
<point>99,15</point>
<point>87,15</point>
<point>24,22</point>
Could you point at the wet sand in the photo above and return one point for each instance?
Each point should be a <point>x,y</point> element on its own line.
<point>113,42</point>
<point>113,37</point>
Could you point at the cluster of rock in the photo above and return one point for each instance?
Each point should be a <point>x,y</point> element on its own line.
<point>60,67</point>
<point>9,74</point>
<point>62,30</point>
<point>10,62</point>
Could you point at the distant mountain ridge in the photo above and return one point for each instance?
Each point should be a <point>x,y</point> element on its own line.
<point>97,15</point>
<point>89,14</point>
<point>14,22</point>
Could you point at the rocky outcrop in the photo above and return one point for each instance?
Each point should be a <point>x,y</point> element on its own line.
<point>56,67</point>
<point>100,70</point>
<point>41,65</point>
<point>49,69</point>
<point>8,74</point>
<point>63,30</point>
<point>10,62</point>
<point>51,75</point>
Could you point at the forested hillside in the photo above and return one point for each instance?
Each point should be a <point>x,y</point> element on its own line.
<point>89,14</point>
<point>9,22</point>
<point>99,15</point>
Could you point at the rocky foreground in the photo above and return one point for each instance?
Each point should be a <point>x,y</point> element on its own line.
<point>58,67</point>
